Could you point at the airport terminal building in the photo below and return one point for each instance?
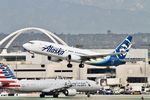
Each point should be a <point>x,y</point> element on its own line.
<point>25,66</point>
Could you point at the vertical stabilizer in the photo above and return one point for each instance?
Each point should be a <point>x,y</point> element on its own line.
<point>123,47</point>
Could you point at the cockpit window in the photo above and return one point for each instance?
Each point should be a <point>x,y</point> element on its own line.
<point>31,42</point>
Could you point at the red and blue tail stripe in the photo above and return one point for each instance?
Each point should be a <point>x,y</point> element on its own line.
<point>7,78</point>
<point>5,72</point>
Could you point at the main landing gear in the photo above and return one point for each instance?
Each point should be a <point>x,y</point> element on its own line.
<point>81,65</point>
<point>69,65</point>
<point>55,95</point>
<point>88,94</point>
<point>42,95</point>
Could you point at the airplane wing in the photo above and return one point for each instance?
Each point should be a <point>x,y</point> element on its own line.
<point>57,88</point>
<point>88,57</point>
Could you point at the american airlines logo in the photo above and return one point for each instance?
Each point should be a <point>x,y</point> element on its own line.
<point>52,49</point>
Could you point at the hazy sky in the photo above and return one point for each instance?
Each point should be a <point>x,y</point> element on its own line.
<point>76,16</point>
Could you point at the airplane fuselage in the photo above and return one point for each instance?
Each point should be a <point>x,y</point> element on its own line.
<point>62,52</point>
<point>40,85</point>
<point>45,86</point>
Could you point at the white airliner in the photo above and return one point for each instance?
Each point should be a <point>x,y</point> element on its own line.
<point>60,52</point>
<point>47,87</point>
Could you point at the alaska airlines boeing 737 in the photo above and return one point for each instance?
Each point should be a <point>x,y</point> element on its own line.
<point>60,52</point>
<point>47,87</point>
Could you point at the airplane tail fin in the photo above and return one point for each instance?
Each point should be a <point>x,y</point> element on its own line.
<point>6,73</point>
<point>123,48</point>
<point>7,78</point>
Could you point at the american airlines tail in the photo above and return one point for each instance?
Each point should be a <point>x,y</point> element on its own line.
<point>7,78</point>
<point>6,73</point>
<point>46,87</point>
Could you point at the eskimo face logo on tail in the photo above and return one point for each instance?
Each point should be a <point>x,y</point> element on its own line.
<point>124,48</point>
<point>52,49</point>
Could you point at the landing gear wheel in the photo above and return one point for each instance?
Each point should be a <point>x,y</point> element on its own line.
<point>81,65</point>
<point>69,59</point>
<point>55,95</point>
<point>42,95</point>
<point>88,94</point>
<point>32,55</point>
<point>69,65</point>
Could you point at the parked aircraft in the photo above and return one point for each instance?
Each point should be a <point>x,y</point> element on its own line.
<point>60,52</point>
<point>46,86</point>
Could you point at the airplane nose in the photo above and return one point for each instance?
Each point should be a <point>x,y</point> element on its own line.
<point>25,46</point>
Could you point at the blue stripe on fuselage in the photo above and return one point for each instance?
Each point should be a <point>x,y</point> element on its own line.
<point>109,61</point>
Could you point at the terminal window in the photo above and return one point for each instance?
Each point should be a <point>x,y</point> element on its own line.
<point>63,70</point>
<point>91,78</point>
<point>134,60</point>
<point>100,71</point>
<point>13,58</point>
<point>137,80</point>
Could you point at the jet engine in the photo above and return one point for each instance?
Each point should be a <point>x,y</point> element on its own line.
<point>54,59</point>
<point>70,92</point>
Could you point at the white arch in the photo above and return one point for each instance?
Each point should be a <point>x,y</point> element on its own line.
<point>17,33</point>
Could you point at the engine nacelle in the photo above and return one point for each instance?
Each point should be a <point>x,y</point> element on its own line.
<point>70,92</point>
<point>54,59</point>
